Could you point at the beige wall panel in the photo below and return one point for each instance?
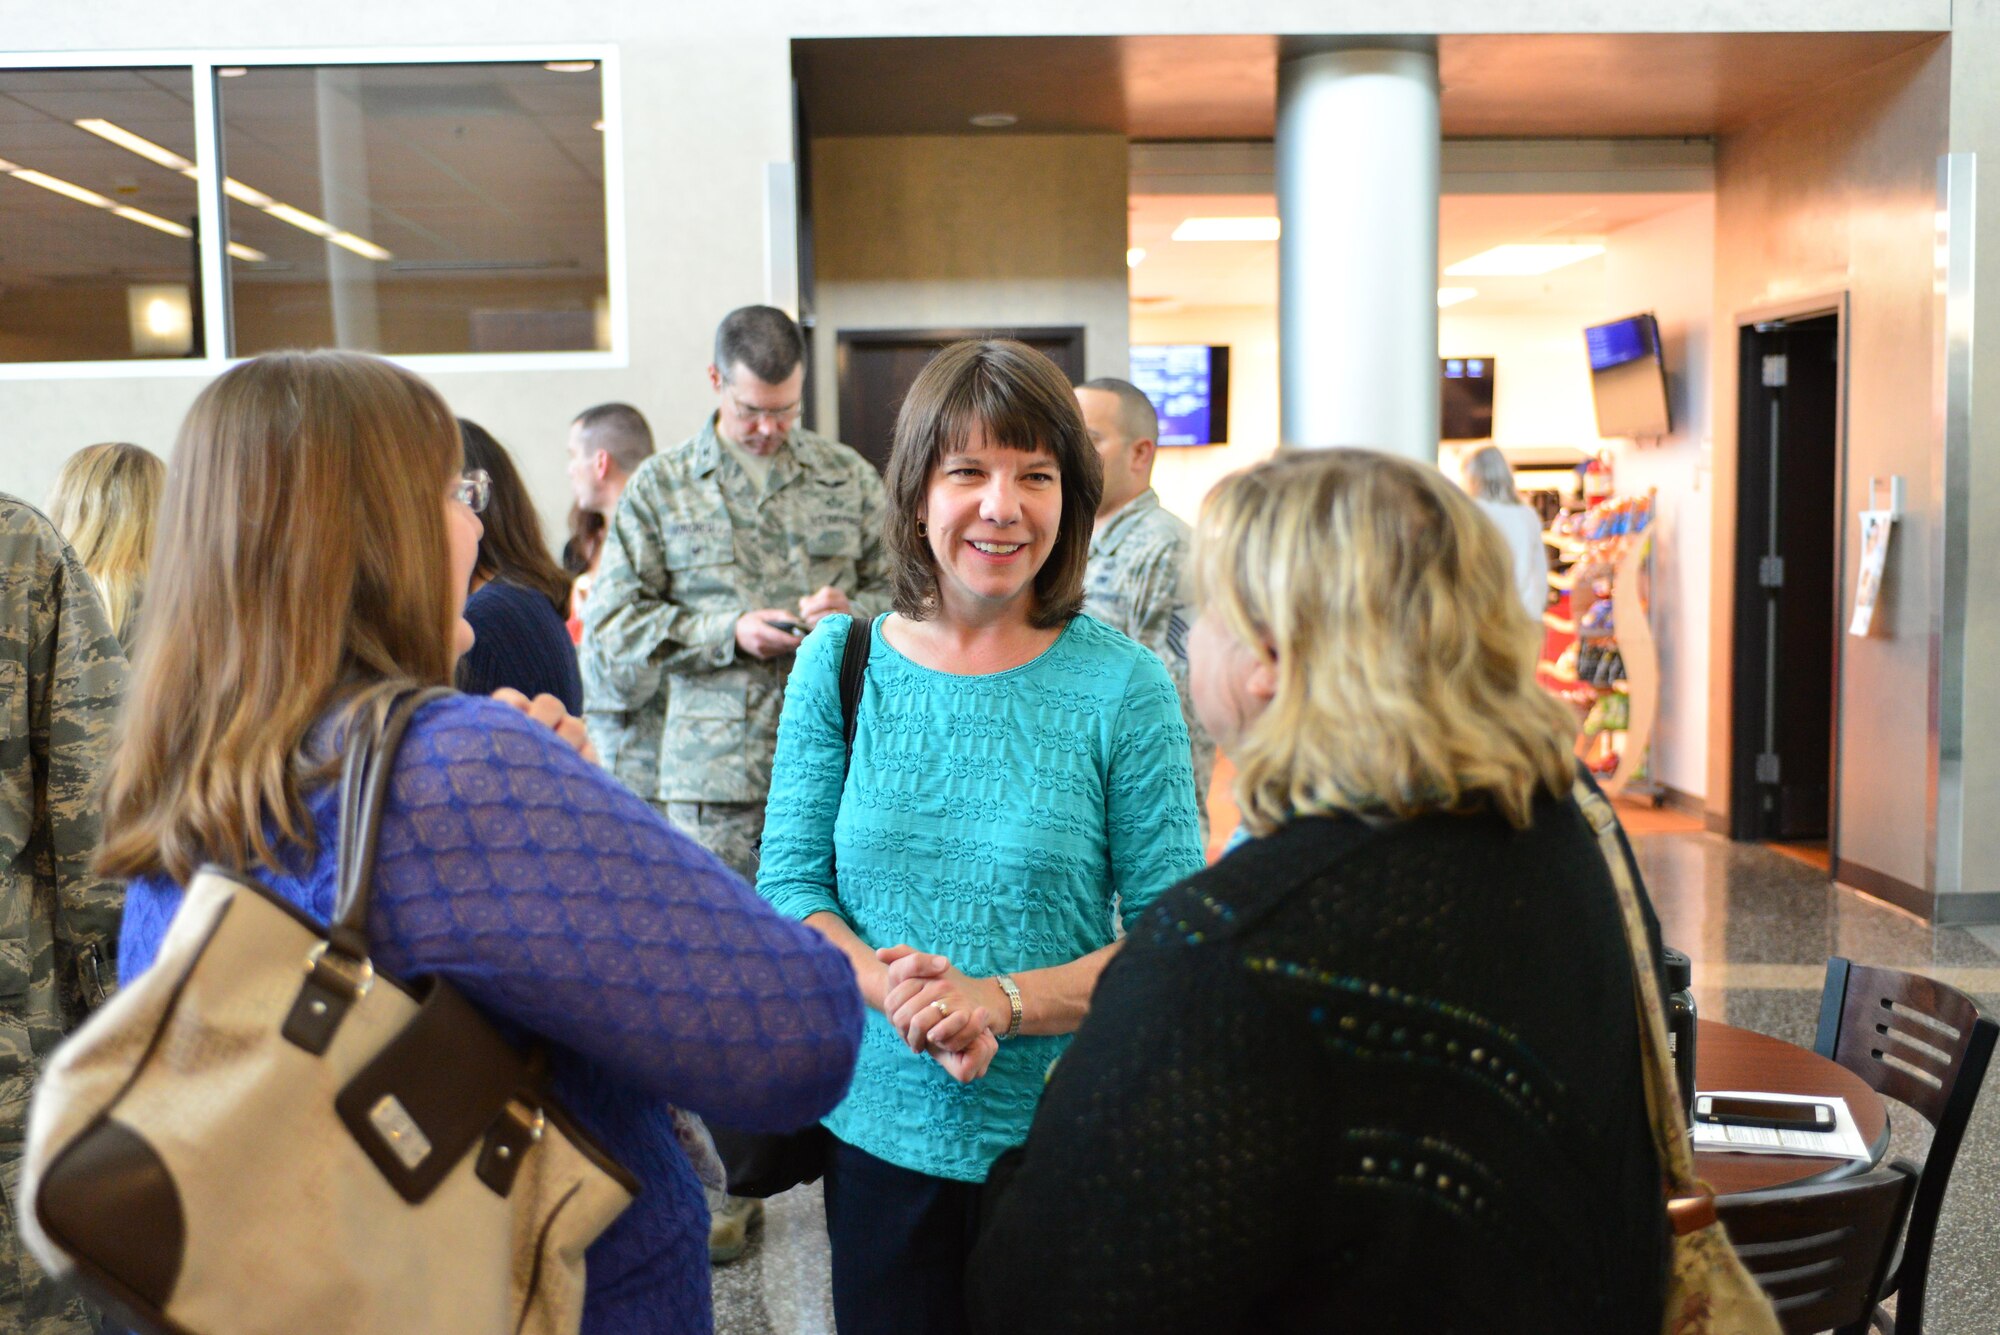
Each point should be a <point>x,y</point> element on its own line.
<point>940,231</point>
<point>1840,196</point>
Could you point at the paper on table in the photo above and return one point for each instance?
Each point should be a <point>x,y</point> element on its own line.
<point>1843,1142</point>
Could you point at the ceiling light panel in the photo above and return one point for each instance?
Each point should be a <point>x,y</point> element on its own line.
<point>1227,229</point>
<point>232,187</point>
<point>1523,261</point>
<point>1451,296</point>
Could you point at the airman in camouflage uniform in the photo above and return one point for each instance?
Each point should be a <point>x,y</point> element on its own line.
<point>751,521</point>
<point>1137,578</point>
<point>624,712</point>
<point>62,676</point>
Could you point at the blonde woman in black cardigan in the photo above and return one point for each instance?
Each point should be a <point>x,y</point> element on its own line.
<point>1376,1069</point>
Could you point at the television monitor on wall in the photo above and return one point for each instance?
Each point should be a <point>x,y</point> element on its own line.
<point>1189,386</point>
<point>1628,377</point>
<point>1465,388</point>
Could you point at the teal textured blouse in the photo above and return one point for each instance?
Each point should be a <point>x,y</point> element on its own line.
<point>1003,821</point>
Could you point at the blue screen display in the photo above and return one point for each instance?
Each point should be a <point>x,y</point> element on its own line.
<point>1620,342</point>
<point>1180,380</point>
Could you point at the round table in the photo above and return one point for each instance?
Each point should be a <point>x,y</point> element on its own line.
<point>1726,1057</point>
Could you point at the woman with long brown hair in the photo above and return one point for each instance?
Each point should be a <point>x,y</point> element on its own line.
<point>520,596</point>
<point>315,549</point>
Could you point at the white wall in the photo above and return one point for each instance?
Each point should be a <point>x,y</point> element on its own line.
<point>1666,265</point>
<point>1183,476</point>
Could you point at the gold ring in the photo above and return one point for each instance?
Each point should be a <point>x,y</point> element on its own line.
<point>942,1009</point>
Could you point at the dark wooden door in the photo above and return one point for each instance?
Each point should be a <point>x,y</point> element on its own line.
<point>1787,608</point>
<point>876,368</point>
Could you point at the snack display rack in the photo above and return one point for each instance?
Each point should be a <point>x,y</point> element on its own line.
<point>1598,652</point>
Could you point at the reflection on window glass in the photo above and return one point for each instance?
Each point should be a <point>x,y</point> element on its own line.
<point>97,215</point>
<point>417,208</point>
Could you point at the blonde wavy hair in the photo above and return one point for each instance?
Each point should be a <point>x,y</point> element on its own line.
<point>105,504</point>
<point>1405,662</point>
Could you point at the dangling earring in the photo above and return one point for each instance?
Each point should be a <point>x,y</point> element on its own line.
<point>922,532</point>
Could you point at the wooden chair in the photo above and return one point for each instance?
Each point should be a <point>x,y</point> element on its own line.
<point>1821,1251</point>
<point>1926,1045</point>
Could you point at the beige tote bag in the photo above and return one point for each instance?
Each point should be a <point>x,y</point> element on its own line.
<point>1708,1290</point>
<point>263,1134</point>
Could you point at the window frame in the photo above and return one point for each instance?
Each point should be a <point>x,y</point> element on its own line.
<point>203,63</point>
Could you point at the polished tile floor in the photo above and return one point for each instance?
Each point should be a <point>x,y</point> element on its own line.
<point>1759,926</point>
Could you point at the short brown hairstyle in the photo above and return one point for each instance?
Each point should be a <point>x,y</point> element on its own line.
<point>619,430</point>
<point>1024,402</point>
<point>303,566</point>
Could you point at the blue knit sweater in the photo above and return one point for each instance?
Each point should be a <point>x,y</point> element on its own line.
<point>1000,820</point>
<point>519,640</point>
<point>561,903</point>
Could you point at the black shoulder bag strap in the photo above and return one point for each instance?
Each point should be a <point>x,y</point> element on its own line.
<point>763,1165</point>
<point>853,666</point>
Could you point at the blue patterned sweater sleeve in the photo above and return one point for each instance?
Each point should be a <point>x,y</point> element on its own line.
<point>1149,796</point>
<point>808,771</point>
<point>559,902</point>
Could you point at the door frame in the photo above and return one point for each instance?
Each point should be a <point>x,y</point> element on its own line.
<point>1742,694</point>
<point>844,340</point>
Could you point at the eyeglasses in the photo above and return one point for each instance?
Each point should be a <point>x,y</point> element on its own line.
<point>782,417</point>
<point>473,489</point>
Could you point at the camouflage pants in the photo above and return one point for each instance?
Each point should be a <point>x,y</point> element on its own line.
<point>733,831</point>
<point>30,1302</point>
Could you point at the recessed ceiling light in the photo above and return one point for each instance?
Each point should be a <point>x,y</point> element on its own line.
<point>995,120</point>
<point>1227,229</point>
<point>250,254</point>
<point>231,71</point>
<point>1451,296</point>
<point>597,125</point>
<point>1522,261</point>
<point>1135,256</point>
<point>569,66</point>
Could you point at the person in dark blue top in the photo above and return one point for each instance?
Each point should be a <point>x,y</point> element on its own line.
<point>520,596</point>
<point>508,862</point>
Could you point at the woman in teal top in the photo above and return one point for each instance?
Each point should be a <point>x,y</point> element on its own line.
<point>1020,777</point>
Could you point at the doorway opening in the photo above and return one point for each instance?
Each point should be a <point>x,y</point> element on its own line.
<point>1788,530</point>
<point>876,368</point>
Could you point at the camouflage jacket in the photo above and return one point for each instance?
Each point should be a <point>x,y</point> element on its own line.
<point>624,711</point>
<point>693,546</point>
<point>62,676</point>
<point>1137,583</point>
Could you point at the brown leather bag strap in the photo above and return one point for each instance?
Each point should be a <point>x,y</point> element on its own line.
<point>366,768</point>
<point>1669,1118</point>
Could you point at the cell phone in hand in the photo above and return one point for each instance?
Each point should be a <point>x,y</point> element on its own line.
<point>788,626</point>
<point>1764,1112</point>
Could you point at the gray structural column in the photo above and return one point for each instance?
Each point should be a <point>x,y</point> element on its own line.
<point>1964,850</point>
<point>1357,174</point>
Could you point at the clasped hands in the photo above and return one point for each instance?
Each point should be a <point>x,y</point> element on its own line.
<point>940,1011</point>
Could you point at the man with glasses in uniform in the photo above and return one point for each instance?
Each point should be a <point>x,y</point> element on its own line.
<point>1136,581</point>
<point>723,551</point>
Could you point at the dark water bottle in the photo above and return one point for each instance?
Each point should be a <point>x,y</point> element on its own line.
<point>1680,1020</point>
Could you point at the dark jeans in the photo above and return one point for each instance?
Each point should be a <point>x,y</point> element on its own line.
<point>900,1240</point>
